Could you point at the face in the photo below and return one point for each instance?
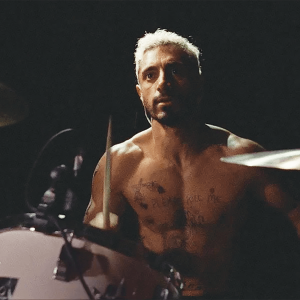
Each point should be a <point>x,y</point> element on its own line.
<point>169,84</point>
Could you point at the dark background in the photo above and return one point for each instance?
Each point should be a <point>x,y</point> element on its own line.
<point>72,61</point>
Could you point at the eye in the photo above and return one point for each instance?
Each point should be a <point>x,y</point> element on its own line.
<point>177,70</point>
<point>149,75</point>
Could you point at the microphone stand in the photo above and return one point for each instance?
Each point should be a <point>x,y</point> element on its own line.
<point>49,205</point>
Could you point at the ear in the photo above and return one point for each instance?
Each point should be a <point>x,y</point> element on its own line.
<point>138,90</point>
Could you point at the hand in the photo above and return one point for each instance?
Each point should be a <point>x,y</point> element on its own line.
<point>98,221</point>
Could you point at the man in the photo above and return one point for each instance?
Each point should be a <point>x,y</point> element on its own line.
<point>191,207</point>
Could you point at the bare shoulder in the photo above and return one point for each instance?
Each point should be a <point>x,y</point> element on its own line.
<point>131,152</point>
<point>235,144</point>
<point>125,157</point>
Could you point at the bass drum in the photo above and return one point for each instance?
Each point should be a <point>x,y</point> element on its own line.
<point>35,265</point>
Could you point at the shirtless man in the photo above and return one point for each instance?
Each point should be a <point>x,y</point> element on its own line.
<point>190,205</point>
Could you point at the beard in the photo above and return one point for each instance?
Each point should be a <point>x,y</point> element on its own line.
<point>168,117</point>
<point>174,114</point>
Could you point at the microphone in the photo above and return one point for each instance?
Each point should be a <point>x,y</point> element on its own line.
<point>78,160</point>
<point>72,193</point>
<point>58,186</point>
<point>62,198</point>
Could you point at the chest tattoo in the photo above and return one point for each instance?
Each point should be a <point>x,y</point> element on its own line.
<point>140,188</point>
<point>212,197</point>
<point>157,199</point>
<point>165,202</point>
<point>151,186</point>
<point>194,218</point>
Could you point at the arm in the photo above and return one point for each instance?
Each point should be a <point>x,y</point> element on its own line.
<point>267,184</point>
<point>272,191</point>
<point>94,214</point>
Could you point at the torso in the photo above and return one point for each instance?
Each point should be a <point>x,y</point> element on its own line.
<point>191,214</point>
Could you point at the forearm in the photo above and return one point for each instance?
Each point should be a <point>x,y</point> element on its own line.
<point>294,216</point>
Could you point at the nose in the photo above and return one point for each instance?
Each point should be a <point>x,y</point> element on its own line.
<point>164,82</point>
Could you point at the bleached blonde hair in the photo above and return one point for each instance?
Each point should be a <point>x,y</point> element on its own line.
<point>163,37</point>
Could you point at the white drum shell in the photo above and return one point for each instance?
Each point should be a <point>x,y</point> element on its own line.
<point>32,256</point>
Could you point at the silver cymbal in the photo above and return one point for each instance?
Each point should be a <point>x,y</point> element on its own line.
<point>278,159</point>
<point>13,108</point>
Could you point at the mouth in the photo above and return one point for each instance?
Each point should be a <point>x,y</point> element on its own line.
<point>165,103</point>
<point>164,100</point>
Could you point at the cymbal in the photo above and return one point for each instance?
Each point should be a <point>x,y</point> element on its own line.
<point>13,108</point>
<point>278,159</point>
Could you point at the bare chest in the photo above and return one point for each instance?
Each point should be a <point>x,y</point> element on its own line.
<point>165,197</point>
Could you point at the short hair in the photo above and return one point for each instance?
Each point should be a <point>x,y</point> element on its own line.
<point>163,37</point>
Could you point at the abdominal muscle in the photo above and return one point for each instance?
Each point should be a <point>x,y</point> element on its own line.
<point>201,255</point>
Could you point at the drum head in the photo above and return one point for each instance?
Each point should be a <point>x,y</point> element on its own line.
<point>34,266</point>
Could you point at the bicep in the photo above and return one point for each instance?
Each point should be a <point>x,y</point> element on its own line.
<point>273,192</point>
<point>116,201</point>
<point>283,200</point>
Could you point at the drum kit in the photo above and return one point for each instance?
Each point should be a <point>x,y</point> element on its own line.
<point>42,258</point>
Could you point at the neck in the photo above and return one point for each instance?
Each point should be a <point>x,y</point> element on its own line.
<point>176,143</point>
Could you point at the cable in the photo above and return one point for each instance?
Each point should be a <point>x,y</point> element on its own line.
<point>146,115</point>
<point>69,248</point>
<point>32,208</point>
<point>52,219</point>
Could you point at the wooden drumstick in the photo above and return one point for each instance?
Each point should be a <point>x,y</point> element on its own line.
<point>106,190</point>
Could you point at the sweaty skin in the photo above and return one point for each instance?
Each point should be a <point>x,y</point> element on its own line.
<point>190,211</point>
<point>190,205</point>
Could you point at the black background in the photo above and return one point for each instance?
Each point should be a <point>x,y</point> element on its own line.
<point>72,61</point>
